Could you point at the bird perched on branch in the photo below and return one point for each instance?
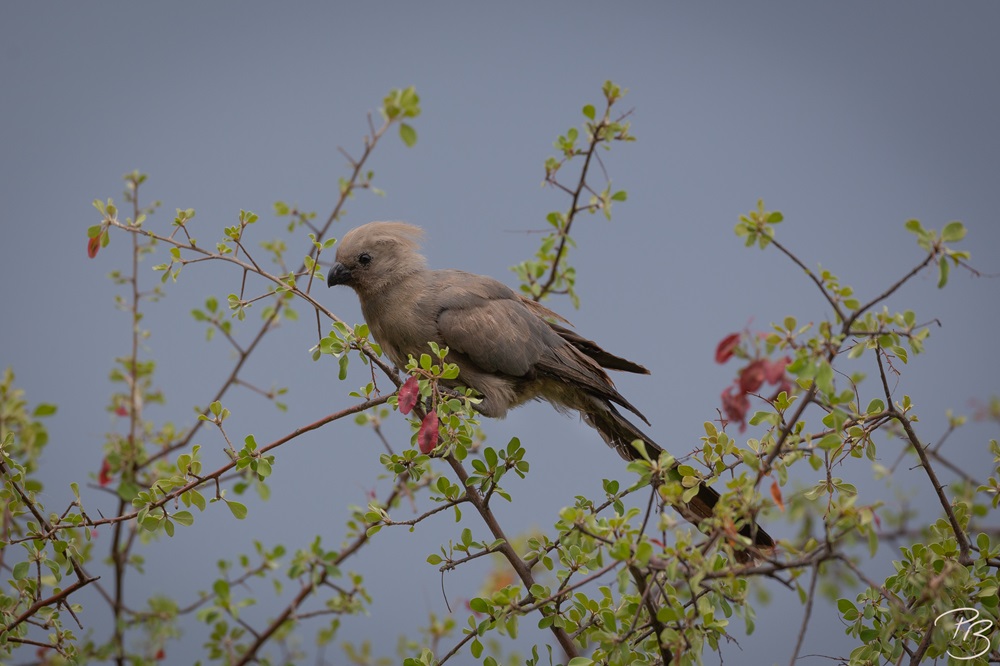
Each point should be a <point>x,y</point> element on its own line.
<point>508,348</point>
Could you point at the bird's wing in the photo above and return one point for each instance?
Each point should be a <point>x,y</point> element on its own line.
<point>593,350</point>
<point>588,347</point>
<point>491,326</point>
<point>484,320</point>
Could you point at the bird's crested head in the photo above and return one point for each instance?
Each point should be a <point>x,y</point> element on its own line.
<point>376,256</point>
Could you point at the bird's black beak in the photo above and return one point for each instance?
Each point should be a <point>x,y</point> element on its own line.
<point>339,274</point>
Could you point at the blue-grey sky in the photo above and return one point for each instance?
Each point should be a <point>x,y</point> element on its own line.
<point>848,117</point>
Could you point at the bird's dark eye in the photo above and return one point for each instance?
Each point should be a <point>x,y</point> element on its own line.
<point>364,258</point>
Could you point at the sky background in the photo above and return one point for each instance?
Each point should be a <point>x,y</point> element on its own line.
<point>850,118</point>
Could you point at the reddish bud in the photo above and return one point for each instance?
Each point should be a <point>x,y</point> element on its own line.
<point>121,411</point>
<point>161,655</point>
<point>752,376</point>
<point>776,495</point>
<point>93,245</point>
<point>727,347</point>
<point>427,438</point>
<point>104,477</point>
<point>408,394</point>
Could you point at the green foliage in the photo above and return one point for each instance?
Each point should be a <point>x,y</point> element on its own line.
<point>400,104</point>
<point>549,272</point>
<point>614,579</point>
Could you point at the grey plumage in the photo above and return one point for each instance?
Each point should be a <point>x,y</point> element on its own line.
<point>509,349</point>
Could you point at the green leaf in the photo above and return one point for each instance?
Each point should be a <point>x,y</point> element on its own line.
<point>263,468</point>
<point>900,352</point>
<point>408,135</point>
<point>824,377</point>
<point>943,272</point>
<point>953,231</point>
<point>128,491</point>
<point>830,441</point>
<point>847,609</point>
<point>589,112</point>
<point>21,570</point>
<point>620,195</point>
<point>44,409</point>
<point>197,499</point>
<point>876,406</point>
<point>239,510</point>
<point>183,517</point>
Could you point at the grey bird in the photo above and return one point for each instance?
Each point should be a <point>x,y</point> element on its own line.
<point>508,348</point>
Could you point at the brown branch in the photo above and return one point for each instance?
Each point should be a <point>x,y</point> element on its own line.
<point>647,601</point>
<point>529,603</point>
<point>812,276</point>
<point>438,509</point>
<point>960,536</point>
<point>452,652</point>
<point>451,564</point>
<point>356,165</point>
<point>306,591</point>
<point>564,232</point>
<point>82,577</point>
<point>217,474</point>
<point>520,566</point>
<point>918,654</point>
<point>805,617</point>
<point>56,598</point>
<point>890,291</point>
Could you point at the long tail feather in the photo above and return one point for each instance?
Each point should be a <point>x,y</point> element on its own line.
<point>619,433</point>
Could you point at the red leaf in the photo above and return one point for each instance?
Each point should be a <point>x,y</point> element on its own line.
<point>93,245</point>
<point>752,376</point>
<point>104,477</point>
<point>428,435</point>
<point>408,394</point>
<point>161,655</point>
<point>736,405</point>
<point>776,495</point>
<point>727,347</point>
<point>774,371</point>
<point>121,411</point>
